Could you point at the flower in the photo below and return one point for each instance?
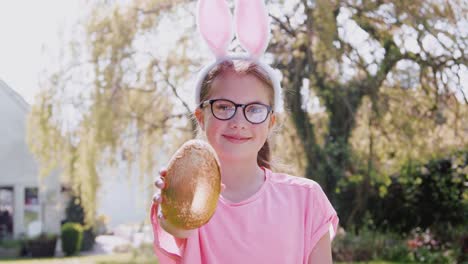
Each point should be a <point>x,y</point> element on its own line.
<point>413,244</point>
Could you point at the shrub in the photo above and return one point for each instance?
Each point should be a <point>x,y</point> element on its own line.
<point>419,247</point>
<point>10,243</point>
<point>72,236</point>
<point>367,245</point>
<point>425,247</point>
<point>76,214</point>
<point>10,248</point>
<point>421,195</point>
<point>426,195</point>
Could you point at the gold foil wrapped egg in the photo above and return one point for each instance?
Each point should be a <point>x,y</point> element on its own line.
<point>193,185</point>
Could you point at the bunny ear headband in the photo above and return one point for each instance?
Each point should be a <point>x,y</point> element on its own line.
<point>215,24</point>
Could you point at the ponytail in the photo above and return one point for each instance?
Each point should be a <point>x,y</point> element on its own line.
<point>264,156</point>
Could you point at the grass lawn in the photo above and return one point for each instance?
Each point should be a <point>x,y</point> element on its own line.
<point>100,259</point>
<point>372,262</point>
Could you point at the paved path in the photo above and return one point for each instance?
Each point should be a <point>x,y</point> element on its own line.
<point>123,239</point>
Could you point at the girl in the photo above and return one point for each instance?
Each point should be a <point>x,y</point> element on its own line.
<point>262,216</point>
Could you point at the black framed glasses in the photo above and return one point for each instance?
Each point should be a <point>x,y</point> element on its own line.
<point>223,109</point>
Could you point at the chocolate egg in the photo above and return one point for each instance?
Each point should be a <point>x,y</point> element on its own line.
<point>193,185</point>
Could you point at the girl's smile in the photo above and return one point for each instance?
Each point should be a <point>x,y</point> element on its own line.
<point>237,139</point>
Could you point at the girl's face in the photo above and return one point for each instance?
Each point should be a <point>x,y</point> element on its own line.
<point>236,139</point>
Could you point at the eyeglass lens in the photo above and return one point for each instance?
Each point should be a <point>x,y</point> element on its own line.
<point>254,113</point>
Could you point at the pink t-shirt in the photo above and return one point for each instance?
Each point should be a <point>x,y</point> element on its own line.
<point>280,223</point>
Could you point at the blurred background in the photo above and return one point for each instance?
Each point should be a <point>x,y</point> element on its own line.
<point>95,97</point>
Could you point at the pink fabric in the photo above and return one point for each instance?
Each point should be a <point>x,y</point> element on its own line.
<point>281,223</point>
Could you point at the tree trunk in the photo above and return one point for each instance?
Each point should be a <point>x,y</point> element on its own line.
<point>305,129</point>
<point>342,107</point>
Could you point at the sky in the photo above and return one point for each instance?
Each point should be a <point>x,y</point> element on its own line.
<point>30,38</point>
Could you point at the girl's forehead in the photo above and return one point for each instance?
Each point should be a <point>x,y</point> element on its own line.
<point>244,87</point>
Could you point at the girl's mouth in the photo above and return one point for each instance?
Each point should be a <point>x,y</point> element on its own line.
<point>235,139</point>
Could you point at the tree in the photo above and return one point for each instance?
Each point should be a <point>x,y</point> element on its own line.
<point>113,100</point>
<point>329,61</point>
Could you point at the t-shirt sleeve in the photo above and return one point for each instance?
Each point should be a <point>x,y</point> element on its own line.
<point>165,246</point>
<point>322,217</point>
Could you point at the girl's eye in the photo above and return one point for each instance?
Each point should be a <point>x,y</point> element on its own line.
<point>255,108</point>
<point>224,107</point>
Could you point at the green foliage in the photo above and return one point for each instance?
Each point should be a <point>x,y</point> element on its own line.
<point>426,247</point>
<point>343,73</point>
<point>417,247</point>
<point>44,236</point>
<point>404,128</point>
<point>72,235</point>
<point>368,244</point>
<point>76,214</point>
<point>10,243</point>
<point>74,211</point>
<point>423,195</point>
<point>426,195</point>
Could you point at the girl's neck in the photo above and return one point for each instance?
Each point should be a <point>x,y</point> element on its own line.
<point>242,179</point>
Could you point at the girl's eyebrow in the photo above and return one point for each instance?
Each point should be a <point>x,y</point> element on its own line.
<point>251,102</point>
<point>257,102</point>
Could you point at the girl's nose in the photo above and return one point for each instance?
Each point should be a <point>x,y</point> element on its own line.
<point>238,121</point>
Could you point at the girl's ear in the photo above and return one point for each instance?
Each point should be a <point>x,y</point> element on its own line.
<point>272,121</point>
<point>200,118</point>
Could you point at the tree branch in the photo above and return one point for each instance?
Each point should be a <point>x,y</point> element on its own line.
<point>284,26</point>
<point>174,89</point>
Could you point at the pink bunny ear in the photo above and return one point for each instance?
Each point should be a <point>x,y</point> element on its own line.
<point>215,25</point>
<point>252,26</point>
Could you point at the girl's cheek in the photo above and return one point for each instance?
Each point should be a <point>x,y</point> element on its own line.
<point>211,129</point>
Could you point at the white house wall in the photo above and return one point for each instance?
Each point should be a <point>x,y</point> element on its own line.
<point>18,166</point>
<point>121,196</point>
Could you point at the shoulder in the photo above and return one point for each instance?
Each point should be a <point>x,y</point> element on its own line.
<point>300,191</point>
<point>296,183</point>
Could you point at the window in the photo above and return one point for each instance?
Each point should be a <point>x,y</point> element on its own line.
<point>31,210</point>
<point>6,211</point>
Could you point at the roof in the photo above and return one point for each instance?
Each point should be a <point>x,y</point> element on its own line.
<point>16,160</point>
<point>13,95</point>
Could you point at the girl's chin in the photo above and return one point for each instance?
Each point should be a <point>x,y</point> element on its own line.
<point>226,155</point>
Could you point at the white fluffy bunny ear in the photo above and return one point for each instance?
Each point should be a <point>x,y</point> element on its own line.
<point>215,25</point>
<point>252,26</point>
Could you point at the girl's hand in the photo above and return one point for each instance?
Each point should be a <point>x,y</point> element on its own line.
<point>160,184</point>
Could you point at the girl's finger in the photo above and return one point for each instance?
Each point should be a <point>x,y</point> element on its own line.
<point>160,214</point>
<point>163,172</point>
<point>157,198</point>
<point>159,183</point>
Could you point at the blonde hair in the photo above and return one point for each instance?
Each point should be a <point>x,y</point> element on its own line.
<point>248,68</point>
